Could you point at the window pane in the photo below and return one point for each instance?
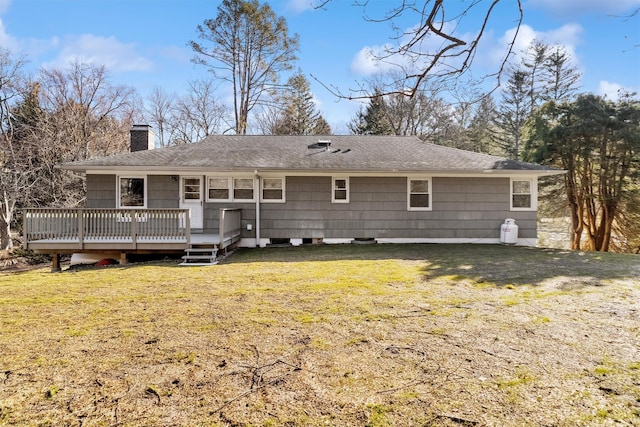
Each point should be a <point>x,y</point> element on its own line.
<point>243,188</point>
<point>132,192</point>
<point>218,188</point>
<point>340,184</point>
<point>419,200</point>
<point>521,201</point>
<point>420,186</point>
<point>340,195</point>
<point>245,183</point>
<point>242,194</point>
<point>218,183</point>
<point>272,194</point>
<point>521,187</point>
<point>272,184</point>
<point>215,193</point>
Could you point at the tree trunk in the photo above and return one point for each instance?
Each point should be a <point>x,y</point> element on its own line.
<point>5,234</point>
<point>6,213</point>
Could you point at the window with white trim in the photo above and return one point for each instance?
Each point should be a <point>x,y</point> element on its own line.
<point>132,192</point>
<point>340,193</point>
<point>273,189</point>
<point>218,189</point>
<point>523,194</point>
<point>243,189</point>
<point>419,194</point>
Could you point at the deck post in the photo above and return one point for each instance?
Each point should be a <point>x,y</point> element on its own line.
<point>134,228</point>
<point>123,259</point>
<point>55,263</point>
<point>80,218</point>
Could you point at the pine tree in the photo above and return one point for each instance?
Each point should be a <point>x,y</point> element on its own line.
<point>480,128</point>
<point>513,112</point>
<point>562,78</point>
<point>373,120</point>
<point>299,115</point>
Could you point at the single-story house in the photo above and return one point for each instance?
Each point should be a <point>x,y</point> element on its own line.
<point>261,190</point>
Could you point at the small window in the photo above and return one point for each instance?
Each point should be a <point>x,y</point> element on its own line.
<point>522,194</point>
<point>273,189</point>
<point>218,189</point>
<point>340,190</point>
<point>243,189</point>
<point>419,197</point>
<point>191,188</point>
<point>131,192</point>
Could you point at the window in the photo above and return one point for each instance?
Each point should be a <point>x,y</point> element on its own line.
<point>131,192</point>
<point>340,190</point>
<point>419,197</point>
<point>218,189</point>
<point>523,194</point>
<point>191,188</point>
<point>273,189</point>
<point>243,188</point>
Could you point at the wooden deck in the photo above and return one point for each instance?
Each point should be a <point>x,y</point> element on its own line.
<point>122,231</point>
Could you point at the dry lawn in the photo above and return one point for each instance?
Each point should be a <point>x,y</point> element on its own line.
<point>353,335</point>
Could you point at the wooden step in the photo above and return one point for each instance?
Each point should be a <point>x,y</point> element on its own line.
<point>200,255</point>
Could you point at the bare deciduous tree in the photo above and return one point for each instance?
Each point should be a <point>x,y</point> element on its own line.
<point>248,46</point>
<point>432,44</point>
<point>15,154</point>
<point>199,114</point>
<point>159,114</point>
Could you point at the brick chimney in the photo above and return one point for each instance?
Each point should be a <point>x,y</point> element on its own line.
<point>142,138</point>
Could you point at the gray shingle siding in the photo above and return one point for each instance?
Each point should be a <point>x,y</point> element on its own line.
<point>101,191</point>
<point>465,207</point>
<point>163,192</point>
<point>462,208</point>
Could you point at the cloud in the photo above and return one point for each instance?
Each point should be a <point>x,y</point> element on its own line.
<point>298,6</point>
<point>4,5</point>
<point>567,37</point>
<point>367,61</point>
<point>6,41</point>
<point>383,58</point>
<point>583,7</point>
<point>102,51</point>
<point>611,90</point>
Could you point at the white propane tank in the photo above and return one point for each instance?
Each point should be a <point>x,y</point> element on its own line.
<point>509,231</point>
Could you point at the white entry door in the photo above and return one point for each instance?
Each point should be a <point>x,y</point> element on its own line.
<point>191,198</point>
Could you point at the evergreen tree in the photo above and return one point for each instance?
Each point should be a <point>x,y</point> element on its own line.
<point>598,143</point>
<point>533,64</point>
<point>513,112</point>
<point>562,77</point>
<point>480,128</point>
<point>373,120</point>
<point>299,115</point>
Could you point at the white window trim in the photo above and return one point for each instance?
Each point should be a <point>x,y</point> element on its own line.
<point>283,199</point>
<point>533,185</point>
<point>333,189</point>
<point>420,178</point>
<point>118,190</point>
<point>229,187</point>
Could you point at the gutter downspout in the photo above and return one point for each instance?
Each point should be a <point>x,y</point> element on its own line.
<point>257,177</point>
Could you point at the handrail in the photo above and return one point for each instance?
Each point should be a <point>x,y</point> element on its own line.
<point>84,225</point>
<point>230,225</point>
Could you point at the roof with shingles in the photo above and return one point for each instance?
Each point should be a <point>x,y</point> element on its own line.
<point>364,153</point>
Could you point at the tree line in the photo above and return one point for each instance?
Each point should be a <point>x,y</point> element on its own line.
<point>537,114</point>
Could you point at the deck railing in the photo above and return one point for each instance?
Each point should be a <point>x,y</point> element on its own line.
<point>230,226</point>
<point>84,226</point>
